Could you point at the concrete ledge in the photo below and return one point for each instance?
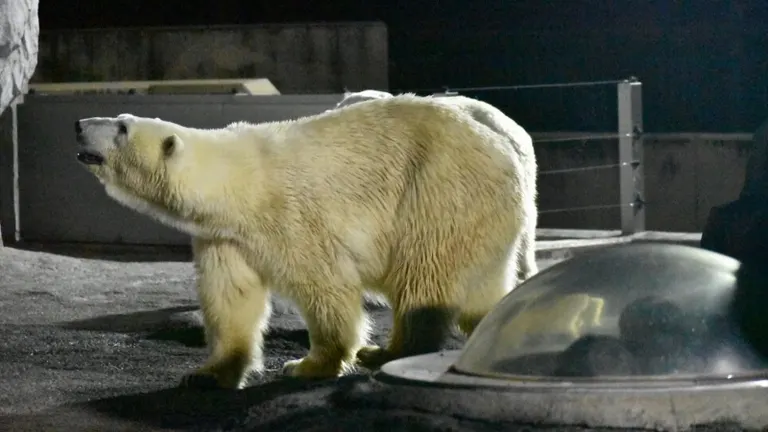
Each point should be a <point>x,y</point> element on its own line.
<point>557,244</point>
<point>551,244</point>
<point>114,252</point>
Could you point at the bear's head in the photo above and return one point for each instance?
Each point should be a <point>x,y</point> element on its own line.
<point>141,162</point>
<point>128,150</point>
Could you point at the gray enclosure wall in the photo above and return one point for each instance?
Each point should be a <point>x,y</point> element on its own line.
<point>61,202</point>
<point>297,58</point>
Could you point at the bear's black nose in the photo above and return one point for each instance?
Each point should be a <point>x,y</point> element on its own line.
<point>78,128</point>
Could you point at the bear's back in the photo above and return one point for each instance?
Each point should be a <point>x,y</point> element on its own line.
<point>360,162</point>
<point>404,126</point>
<point>349,185</point>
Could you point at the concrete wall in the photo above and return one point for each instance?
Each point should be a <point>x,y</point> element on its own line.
<point>297,58</point>
<point>7,177</point>
<point>59,201</point>
<point>685,174</point>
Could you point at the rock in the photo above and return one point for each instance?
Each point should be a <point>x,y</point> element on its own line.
<point>756,179</point>
<point>19,32</point>
<point>740,228</point>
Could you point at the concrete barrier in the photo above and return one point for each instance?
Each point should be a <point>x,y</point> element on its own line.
<point>685,174</point>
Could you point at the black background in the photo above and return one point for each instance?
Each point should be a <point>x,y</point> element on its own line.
<point>703,63</point>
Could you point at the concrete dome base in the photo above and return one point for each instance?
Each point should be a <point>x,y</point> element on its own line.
<point>428,383</point>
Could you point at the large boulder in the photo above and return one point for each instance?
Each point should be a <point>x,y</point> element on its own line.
<point>740,228</point>
<point>756,179</point>
<point>19,33</point>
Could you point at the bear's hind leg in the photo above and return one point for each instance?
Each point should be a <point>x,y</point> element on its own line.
<point>338,327</point>
<point>482,298</point>
<point>236,311</point>
<point>527,265</point>
<point>424,305</point>
<point>438,267</point>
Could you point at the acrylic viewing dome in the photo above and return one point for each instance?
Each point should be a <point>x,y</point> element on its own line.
<point>639,336</point>
<point>637,312</point>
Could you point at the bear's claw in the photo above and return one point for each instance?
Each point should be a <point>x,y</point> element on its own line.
<point>373,357</point>
<point>207,379</point>
<point>312,369</point>
<point>199,381</point>
<point>290,367</point>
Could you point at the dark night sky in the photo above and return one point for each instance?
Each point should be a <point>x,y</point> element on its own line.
<point>695,57</point>
<point>437,15</point>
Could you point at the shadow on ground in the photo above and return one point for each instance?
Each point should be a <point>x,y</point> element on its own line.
<point>277,405</point>
<point>181,324</point>
<point>185,408</point>
<point>112,252</point>
<point>345,404</point>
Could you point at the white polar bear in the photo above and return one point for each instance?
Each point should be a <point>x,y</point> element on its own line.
<point>521,140</point>
<point>406,196</point>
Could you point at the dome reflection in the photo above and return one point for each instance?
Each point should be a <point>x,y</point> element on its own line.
<point>638,311</point>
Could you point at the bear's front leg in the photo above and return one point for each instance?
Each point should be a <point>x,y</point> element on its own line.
<point>337,327</point>
<point>236,311</point>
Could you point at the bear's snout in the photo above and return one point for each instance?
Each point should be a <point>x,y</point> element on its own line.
<point>90,134</point>
<point>90,158</point>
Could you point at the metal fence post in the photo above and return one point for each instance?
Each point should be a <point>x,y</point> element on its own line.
<point>9,180</point>
<point>631,181</point>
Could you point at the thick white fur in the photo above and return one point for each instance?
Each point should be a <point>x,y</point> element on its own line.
<point>495,119</point>
<point>410,197</point>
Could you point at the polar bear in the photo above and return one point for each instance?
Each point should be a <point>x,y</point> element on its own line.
<point>499,122</point>
<point>405,196</point>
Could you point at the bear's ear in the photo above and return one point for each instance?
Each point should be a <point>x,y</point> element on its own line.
<point>172,145</point>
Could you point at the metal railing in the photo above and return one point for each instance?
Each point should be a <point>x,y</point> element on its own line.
<point>629,134</point>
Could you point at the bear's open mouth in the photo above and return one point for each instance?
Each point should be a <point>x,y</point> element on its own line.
<point>89,158</point>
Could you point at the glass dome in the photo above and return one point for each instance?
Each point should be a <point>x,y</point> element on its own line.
<point>639,311</point>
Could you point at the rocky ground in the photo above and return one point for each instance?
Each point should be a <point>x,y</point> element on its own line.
<point>100,344</point>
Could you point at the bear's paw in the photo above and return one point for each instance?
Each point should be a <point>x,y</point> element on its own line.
<point>373,357</point>
<point>204,379</point>
<point>310,368</point>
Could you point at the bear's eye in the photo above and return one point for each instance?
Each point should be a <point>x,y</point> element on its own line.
<point>122,129</point>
